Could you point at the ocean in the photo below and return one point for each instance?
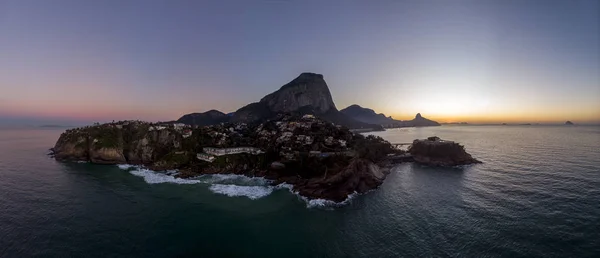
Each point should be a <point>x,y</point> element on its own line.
<point>537,194</point>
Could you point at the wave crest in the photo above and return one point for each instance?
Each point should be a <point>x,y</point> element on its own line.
<point>252,192</point>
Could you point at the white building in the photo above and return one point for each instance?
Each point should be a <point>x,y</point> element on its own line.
<point>230,151</point>
<point>205,157</point>
<point>179,126</point>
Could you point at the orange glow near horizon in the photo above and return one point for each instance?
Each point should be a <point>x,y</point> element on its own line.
<point>587,115</point>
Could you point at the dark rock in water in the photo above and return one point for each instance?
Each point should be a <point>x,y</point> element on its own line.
<point>437,152</point>
<point>359,176</point>
<point>569,123</point>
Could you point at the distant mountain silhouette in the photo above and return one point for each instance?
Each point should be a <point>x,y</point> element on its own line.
<point>569,123</point>
<point>202,119</point>
<point>367,115</point>
<point>421,121</point>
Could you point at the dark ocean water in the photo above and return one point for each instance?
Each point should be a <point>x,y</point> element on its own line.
<point>537,194</point>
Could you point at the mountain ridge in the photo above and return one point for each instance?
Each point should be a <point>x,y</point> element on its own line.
<point>306,94</point>
<point>368,115</point>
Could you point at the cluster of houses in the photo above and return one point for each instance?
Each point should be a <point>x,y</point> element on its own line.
<point>118,124</point>
<point>185,130</point>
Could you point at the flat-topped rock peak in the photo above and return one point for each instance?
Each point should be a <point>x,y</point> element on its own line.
<point>308,89</point>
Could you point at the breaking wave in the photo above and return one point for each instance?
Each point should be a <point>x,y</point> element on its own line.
<point>126,166</point>
<point>252,192</point>
<point>234,179</point>
<point>152,177</point>
<point>322,203</point>
<point>231,185</point>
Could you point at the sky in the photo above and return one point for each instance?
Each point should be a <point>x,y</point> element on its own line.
<point>451,60</point>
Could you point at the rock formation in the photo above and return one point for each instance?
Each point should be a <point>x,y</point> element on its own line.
<point>436,152</point>
<point>308,89</point>
<point>359,176</point>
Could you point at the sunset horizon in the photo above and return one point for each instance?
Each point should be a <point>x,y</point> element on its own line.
<point>471,61</point>
<point>448,111</point>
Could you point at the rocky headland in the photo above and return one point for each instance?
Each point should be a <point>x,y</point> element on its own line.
<point>319,159</point>
<point>437,152</point>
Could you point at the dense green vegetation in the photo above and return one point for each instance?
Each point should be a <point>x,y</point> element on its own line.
<point>372,147</point>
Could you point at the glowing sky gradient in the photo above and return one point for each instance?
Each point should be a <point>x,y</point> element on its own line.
<point>475,61</point>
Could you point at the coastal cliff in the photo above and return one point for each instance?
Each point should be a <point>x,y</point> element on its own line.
<point>319,159</point>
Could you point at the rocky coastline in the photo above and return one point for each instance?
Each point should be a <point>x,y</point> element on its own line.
<point>320,160</point>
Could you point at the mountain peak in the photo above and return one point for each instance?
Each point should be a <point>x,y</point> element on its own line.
<point>308,89</point>
<point>354,106</point>
<point>310,75</point>
<point>418,116</point>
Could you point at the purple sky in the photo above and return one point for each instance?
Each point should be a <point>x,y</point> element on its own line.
<point>477,61</point>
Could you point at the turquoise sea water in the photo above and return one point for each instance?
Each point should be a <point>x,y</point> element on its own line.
<point>537,194</point>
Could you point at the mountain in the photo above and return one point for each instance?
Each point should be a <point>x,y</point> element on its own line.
<point>210,117</point>
<point>308,89</point>
<point>421,121</point>
<point>306,94</point>
<point>569,123</point>
<point>367,115</point>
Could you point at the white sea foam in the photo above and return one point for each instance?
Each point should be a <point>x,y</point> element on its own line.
<point>126,166</point>
<point>317,203</point>
<point>286,186</point>
<point>152,177</point>
<point>233,179</point>
<point>252,192</point>
<point>322,203</point>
